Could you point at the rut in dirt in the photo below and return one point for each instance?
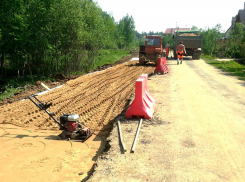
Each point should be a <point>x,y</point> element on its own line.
<point>97,98</point>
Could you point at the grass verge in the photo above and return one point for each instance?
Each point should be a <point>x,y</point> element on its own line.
<point>110,56</point>
<point>10,91</point>
<point>231,66</point>
<point>15,84</point>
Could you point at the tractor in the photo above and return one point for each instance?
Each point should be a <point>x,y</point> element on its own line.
<point>152,50</point>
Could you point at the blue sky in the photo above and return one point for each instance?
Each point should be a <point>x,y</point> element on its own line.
<point>158,15</point>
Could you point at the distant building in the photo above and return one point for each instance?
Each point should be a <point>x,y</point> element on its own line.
<point>172,30</point>
<point>233,21</point>
<point>239,18</point>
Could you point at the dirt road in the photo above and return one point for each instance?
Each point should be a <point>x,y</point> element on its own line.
<point>197,134</point>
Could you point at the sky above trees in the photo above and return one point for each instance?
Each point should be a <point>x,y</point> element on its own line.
<point>158,15</point>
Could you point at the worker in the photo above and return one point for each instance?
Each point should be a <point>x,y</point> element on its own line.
<point>180,50</point>
<point>167,47</point>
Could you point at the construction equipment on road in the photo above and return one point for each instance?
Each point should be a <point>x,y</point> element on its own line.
<point>192,41</point>
<point>69,123</point>
<point>152,50</point>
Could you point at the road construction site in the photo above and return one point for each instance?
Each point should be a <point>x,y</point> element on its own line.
<point>196,134</point>
<point>97,98</point>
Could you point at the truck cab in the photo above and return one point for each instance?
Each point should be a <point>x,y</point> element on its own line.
<point>152,50</point>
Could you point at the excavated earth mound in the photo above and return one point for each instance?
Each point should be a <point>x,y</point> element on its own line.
<point>188,34</point>
<point>98,98</point>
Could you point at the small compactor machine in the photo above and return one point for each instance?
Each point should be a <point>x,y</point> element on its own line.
<point>69,123</point>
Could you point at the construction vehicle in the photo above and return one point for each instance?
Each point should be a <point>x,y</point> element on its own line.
<point>152,50</point>
<point>191,40</point>
<point>69,123</point>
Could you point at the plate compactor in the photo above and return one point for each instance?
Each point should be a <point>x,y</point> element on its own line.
<point>69,123</point>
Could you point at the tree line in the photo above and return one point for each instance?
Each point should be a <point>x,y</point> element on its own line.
<point>216,44</point>
<point>45,37</point>
<point>234,45</point>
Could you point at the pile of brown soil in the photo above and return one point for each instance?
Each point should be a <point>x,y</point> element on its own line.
<point>188,34</point>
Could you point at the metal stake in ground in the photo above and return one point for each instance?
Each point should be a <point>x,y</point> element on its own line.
<point>120,136</point>
<point>136,136</point>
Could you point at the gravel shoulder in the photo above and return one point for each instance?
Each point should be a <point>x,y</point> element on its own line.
<point>197,133</point>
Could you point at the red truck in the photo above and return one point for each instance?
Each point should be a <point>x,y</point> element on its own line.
<point>152,50</point>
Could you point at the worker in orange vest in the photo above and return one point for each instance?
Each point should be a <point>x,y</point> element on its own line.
<point>180,51</point>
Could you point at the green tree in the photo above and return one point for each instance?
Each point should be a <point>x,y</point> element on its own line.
<point>109,31</point>
<point>45,37</point>
<point>126,30</point>
<point>210,38</point>
<point>194,27</point>
<point>235,44</point>
<point>167,38</point>
<point>11,26</point>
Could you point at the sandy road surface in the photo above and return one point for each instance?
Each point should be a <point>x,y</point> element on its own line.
<point>197,134</point>
<point>31,152</point>
<point>31,155</point>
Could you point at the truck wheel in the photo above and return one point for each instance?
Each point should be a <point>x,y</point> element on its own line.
<point>198,57</point>
<point>193,57</point>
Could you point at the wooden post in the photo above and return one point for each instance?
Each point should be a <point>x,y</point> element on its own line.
<point>136,136</point>
<point>120,136</point>
<point>45,86</point>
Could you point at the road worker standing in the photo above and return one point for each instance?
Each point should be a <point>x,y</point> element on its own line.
<point>180,51</point>
<point>167,47</point>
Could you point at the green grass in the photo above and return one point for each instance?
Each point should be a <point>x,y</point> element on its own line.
<point>9,92</point>
<point>231,67</point>
<point>110,56</point>
<point>106,57</point>
<point>16,84</point>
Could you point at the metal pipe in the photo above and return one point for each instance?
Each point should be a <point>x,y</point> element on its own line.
<point>120,136</point>
<point>136,137</point>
